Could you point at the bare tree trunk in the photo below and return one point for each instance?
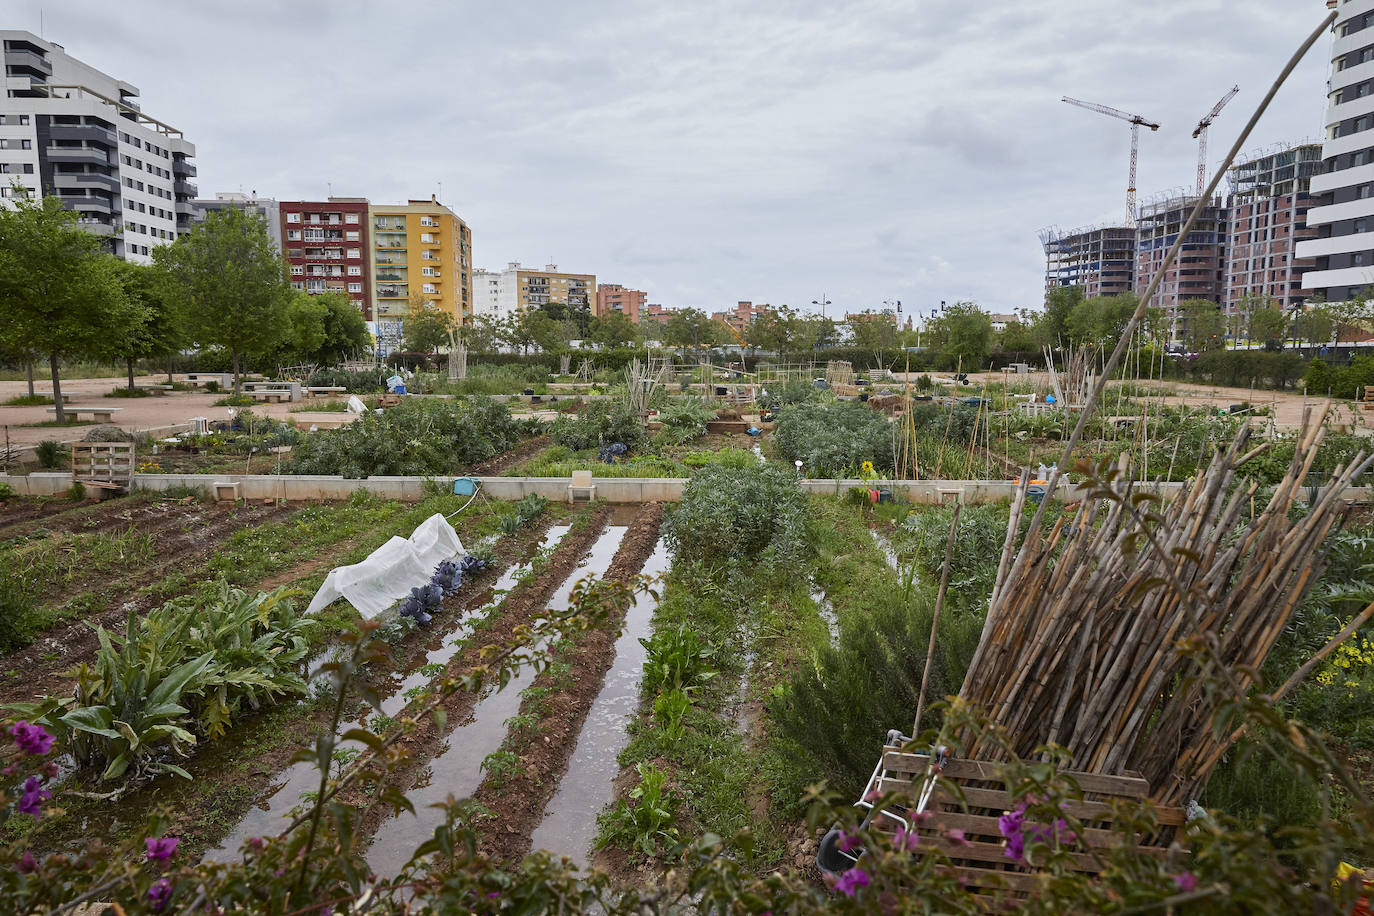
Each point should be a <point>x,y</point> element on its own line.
<point>169,368</point>
<point>28,365</point>
<point>57,390</point>
<point>236,371</point>
<point>131,375</point>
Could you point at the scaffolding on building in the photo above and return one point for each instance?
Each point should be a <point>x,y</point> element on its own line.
<point>1099,258</point>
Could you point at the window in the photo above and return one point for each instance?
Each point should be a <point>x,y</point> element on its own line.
<point>353,252</point>
<point>1357,259</point>
<point>351,236</point>
<point>293,217</point>
<point>16,168</point>
<point>354,270</point>
<point>1360,225</point>
<point>293,235</point>
<point>355,287</point>
<point>427,271</point>
<point>351,219</point>
<point>297,270</point>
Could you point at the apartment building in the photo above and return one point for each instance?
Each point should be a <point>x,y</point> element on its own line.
<point>612,297</point>
<point>421,252</point>
<point>1271,197</point>
<point>326,246</point>
<point>73,132</point>
<point>264,208</point>
<point>1101,259</point>
<point>656,312</point>
<point>1198,272</point>
<point>502,294</point>
<point>742,316</point>
<point>1343,212</point>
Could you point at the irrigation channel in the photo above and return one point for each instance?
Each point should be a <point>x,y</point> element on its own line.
<point>569,824</point>
<point>457,770</point>
<point>289,788</point>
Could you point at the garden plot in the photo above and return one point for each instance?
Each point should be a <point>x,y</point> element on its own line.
<point>289,788</point>
<point>569,825</point>
<point>457,769</point>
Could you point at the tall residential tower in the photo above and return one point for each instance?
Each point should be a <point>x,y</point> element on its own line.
<point>70,131</point>
<point>1344,212</point>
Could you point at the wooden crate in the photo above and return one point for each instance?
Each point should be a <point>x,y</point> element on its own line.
<point>982,861</point>
<point>104,465</point>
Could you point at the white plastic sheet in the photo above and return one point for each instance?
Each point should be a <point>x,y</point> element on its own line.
<point>390,571</point>
<point>355,405</point>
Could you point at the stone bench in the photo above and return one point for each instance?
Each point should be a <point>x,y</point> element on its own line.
<point>105,414</point>
<point>271,394</point>
<point>323,390</point>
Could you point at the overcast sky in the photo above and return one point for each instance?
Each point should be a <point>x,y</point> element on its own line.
<point>713,151</point>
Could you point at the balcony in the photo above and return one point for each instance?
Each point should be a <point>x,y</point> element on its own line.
<point>181,168</point>
<point>32,60</point>
<point>85,204</point>
<point>391,244</point>
<point>384,226</point>
<point>185,188</point>
<point>391,292</point>
<point>86,180</point>
<point>92,133</point>
<point>90,154</point>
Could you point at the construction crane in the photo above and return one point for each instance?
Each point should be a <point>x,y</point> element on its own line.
<point>1136,121</point>
<point>1200,134</point>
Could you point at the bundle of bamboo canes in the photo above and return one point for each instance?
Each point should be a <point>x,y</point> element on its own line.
<point>1080,646</point>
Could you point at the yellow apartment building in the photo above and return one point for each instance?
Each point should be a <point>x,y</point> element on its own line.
<point>420,249</point>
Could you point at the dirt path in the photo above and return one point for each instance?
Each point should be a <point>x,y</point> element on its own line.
<point>493,467</point>
<point>184,536</point>
<point>519,607</point>
<point>517,806</point>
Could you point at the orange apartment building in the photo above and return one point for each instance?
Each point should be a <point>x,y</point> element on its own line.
<point>612,297</point>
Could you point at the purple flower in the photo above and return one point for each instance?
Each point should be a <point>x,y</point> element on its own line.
<point>32,800</point>
<point>32,739</point>
<point>956,837</point>
<point>851,881</point>
<point>848,841</point>
<point>906,841</point>
<point>159,894</point>
<point>27,865</point>
<point>1016,848</point>
<point>1186,881</point>
<point>160,849</point>
<point>256,842</point>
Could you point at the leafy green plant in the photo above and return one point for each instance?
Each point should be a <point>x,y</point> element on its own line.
<point>648,816</point>
<point>77,491</point>
<point>678,658</point>
<point>743,517</point>
<point>683,420</point>
<point>6,492</point>
<point>827,438</point>
<point>669,708</point>
<point>51,453</point>
<point>501,766</point>
<point>529,508</point>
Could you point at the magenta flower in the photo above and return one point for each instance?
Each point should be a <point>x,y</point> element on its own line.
<point>159,894</point>
<point>160,849</point>
<point>32,739</point>
<point>851,881</point>
<point>32,800</point>
<point>27,864</point>
<point>848,842</point>
<point>906,841</point>
<point>956,837</point>
<point>1186,882</point>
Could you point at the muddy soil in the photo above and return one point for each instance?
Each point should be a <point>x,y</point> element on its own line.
<point>59,514</point>
<point>495,467</point>
<point>526,601</point>
<point>183,536</point>
<point>518,805</point>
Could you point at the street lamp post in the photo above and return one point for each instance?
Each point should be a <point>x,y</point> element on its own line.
<point>822,302</point>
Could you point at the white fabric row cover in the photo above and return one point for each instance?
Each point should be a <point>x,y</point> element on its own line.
<point>390,571</point>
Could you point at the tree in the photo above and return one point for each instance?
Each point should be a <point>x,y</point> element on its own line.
<point>427,328</point>
<point>1100,321</point>
<point>691,327</point>
<point>60,294</point>
<point>155,326</point>
<point>1203,325</point>
<point>231,283</point>
<point>785,331</point>
<point>873,330</point>
<point>482,333</point>
<point>1350,317</point>
<point>1059,303</point>
<point>962,335</point>
<point>614,329</point>
<point>323,329</point>
<point>1267,325</point>
<point>1313,324</point>
<point>547,333</point>
<point>1019,337</point>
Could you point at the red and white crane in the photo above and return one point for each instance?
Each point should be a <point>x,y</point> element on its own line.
<point>1136,121</point>
<point>1200,134</point>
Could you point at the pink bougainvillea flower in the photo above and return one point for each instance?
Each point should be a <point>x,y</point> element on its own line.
<point>159,894</point>
<point>32,800</point>
<point>906,841</point>
<point>848,842</point>
<point>27,864</point>
<point>1186,881</point>
<point>851,881</point>
<point>956,837</point>
<point>160,849</point>
<point>32,739</point>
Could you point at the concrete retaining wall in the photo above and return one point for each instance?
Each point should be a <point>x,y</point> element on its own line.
<point>297,488</point>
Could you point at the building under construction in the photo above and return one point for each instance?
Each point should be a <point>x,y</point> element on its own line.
<point>1200,268</point>
<point>1270,199</point>
<point>1101,259</point>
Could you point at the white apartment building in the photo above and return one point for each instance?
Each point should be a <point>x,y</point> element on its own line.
<point>68,130</point>
<point>515,289</point>
<point>1343,216</point>
<point>264,208</point>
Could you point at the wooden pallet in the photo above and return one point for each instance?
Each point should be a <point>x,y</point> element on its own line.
<point>982,861</point>
<point>103,465</point>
